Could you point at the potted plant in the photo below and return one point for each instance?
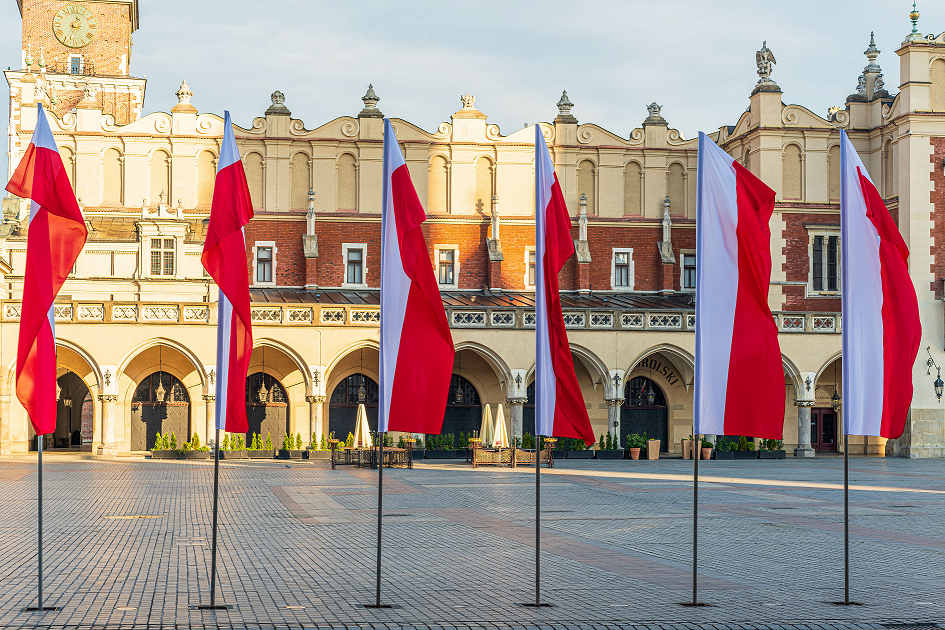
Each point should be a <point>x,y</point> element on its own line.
<point>237,447</point>
<point>193,449</point>
<point>317,449</point>
<point>162,448</point>
<point>438,447</point>
<point>687,447</point>
<point>706,449</point>
<point>562,447</point>
<point>635,442</point>
<point>288,450</point>
<point>652,448</point>
<point>724,448</point>
<point>745,449</point>
<point>577,449</point>
<point>771,449</point>
<point>610,448</point>
<point>256,448</point>
<point>418,450</point>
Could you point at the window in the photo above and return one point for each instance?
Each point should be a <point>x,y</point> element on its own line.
<point>447,265</point>
<point>75,64</point>
<point>825,263</point>
<point>162,257</point>
<point>621,269</point>
<point>263,264</point>
<point>530,275</point>
<point>688,271</point>
<point>354,258</point>
<point>355,265</point>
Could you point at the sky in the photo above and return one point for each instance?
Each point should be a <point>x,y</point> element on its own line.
<point>696,58</point>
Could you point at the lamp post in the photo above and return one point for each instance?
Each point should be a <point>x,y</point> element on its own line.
<point>938,384</point>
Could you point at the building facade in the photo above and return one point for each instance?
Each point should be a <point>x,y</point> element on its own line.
<point>136,319</point>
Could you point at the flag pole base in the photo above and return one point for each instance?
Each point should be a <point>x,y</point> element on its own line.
<point>695,605</point>
<point>846,603</point>
<point>541,605</point>
<point>379,606</point>
<point>213,607</point>
<point>43,609</point>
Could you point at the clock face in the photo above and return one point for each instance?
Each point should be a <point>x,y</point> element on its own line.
<point>74,26</point>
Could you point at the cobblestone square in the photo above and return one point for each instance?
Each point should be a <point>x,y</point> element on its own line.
<point>127,544</point>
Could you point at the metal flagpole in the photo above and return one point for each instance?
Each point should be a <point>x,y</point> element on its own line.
<point>846,519</point>
<point>39,598</point>
<point>696,453</point>
<point>213,547</point>
<point>380,519</point>
<point>537,520</point>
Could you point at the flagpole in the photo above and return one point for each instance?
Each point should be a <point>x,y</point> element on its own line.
<point>380,519</point>
<point>846,519</point>
<point>39,598</point>
<point>696,452</point>
<point>537,520</point>
<point>213,546</point>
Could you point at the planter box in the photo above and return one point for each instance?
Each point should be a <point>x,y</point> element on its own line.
<point>557,453</point>
<point>745,454</point>
<point>232,454</point>
<point>771,454</point>
<point>652,449</point>
<point>439,454</point>
<point>609,454</point>
<point>418,453</point>
<point>463,453</point>
<point>293,454</point>
<point>168,454</point>
<point>194,455</point>
<point>727,455</point>
<point>581,454</point>
<point>260,454</point>
<point>310,454</point>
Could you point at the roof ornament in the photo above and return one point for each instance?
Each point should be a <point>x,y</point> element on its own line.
<point>29,57</point>
<point>872,53</point>
<point>653,115</point>
<point>914,36</point>
<point>184,94</point>
<point>278,107</point>
<point>370,100</point>
<point>666,245</point>
<point>468,101</point>
<point>861,85</point>
<point>765,60</point>
<point>564,110</point>
<point>42,61</point>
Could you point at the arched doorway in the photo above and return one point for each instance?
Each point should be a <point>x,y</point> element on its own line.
<point>160,404</point>
<point>464,415</point>
<point>642,412</point>
<point>343,405</point>
<point>267,408</point>
<point>73,395</point>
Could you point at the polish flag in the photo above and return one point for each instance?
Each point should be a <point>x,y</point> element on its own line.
<point>416,360</point>
<point>55,238</point>
<point>738,359</point>
<point>559,404</point>
<point>881,329</point>
<point>224,258</point>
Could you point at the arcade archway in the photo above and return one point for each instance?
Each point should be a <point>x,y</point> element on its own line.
<point>160,404</point>
<point>644,410</point>
<point>344,401</point>
<point>267,408</point>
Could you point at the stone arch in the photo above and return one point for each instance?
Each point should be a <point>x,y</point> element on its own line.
<point>937,88</point>
<point>833,172</point>
<point>827,364</point>
<point>255,166</point>
<point>292,355</point>
<point>792,172</point>
<point>367,344</point>
<point>169,343</point>
<point>96,371</point>
<point>439,184</point>
<point>300,164</point>
<point>676,176</point>
<point>633,188</point>
<point>485,184</point>
<point>792,373</point>
<point>206,175</point>
<point>160,162</point>
<point>346,167</point>
<point>498,364</point>
<point>592,363</point>
<point>682,360</point>
<point>112,177</point>
<point>587,183</point>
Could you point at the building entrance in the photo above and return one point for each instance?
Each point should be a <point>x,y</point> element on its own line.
<point>160,405</point>
<point>823,429</point>
<point>644,411</point>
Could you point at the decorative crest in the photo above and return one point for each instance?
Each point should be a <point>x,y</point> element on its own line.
<point>653,115</point>
<point>878,84</point>
<point>468,101</point>
<point>861,85</point>
<point>184,94</point>
<point>370,100</point>
<point>278,98</point>
<point>278,107</point>
<point>765,60</point>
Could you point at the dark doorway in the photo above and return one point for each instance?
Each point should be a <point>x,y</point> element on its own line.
<point>73,393</point>
<point>343,405</point>
<point>267,409</point>
<point>641,414</point>
<point>464,415</point>
<point>528,411</point>
<point>160,404</point>
<point>823,429</point>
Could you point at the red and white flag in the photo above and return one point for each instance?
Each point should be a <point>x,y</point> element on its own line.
<point>559,404</point>
<point>738,359</point>
<point>54,240</point>
<point>881,328</point>
<point>224,258</point>
<point>416,360</point>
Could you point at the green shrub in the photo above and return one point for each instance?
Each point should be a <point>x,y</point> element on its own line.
<point>742,444</point>
<point>225,444</point>
<point>724,445</point>
<point>173,441</point>
<point>349,441</point>
<point>388,440</point>
<point>322,444</point>
<point>751,446</point>
<point>298,441</point>
<point>313,444</point>
<point>463,440</point>
<point>269,444</point>
<point>635,440</point>
<point>185,447</point>
<point>600,443</point>
<point>450,442</point>
<point>240,443</point>
<point>158,442</point>
<point>287,442</point>
<point>772,445</point>
<point>527,440</point>
<point>195,441</point>
<point>706,443</point>
<point>401,443</point>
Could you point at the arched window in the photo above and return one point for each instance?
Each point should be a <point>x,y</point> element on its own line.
<point>791,173</point>
<point>633,189</point>
<point>264,389</point>
<point>301,181</point>
<point>206,172</point>
<point>160,404</point>
<point>439,186</point>
<point>253,166</point>
<point>343,405</point>
<point>586,180</point>
<point>347,184</point>
<point>676,188</point>
<point>833,172</point>
<point>160,177</point>
<point>637,390</point>
<point>938,86</point>
<point>113,178</point>
<point>485,188</point>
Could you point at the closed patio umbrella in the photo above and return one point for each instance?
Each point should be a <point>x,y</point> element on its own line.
<point>362,432</point>
<point>486,429</point>
<point>501,438</point>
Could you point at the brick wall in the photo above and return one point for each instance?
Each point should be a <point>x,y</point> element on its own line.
<point>938,215</point>
<point>797,263</point>
<point>290,261</point>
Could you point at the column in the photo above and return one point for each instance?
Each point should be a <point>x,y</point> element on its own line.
<point>108,447</point>
<point>316,425</point>
<point>211,403</point>
<point>613,418</point>
<point>804,448</point>
<point>516,405</point>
